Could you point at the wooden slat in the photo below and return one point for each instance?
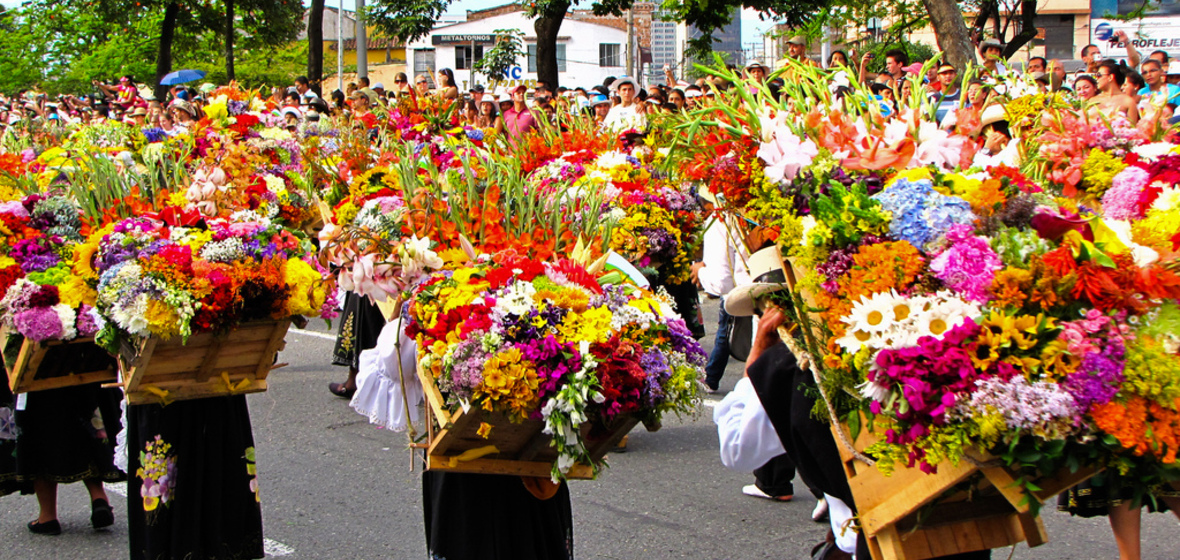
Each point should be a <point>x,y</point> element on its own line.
<point>433,397</point>
<point>67,381</point>
<point>187,391</point>
<point>277,341</point>
<point>904,500</point>
<point>890,543</point>
<point>967,535</point>
<point>1006,484</point>
<point>499,466</point>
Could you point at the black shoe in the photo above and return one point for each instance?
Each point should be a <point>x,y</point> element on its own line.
<point>101,515</point>
<point>339,390</point>
<point>47,528</point>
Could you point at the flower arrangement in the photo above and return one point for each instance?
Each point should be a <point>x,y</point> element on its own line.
<point>43,296</point>
<point>157,277</point>
<point>970,310</point>
<point>549,341</point>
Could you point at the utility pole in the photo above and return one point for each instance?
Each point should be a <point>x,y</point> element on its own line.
<point>631,43</point>
<point>340,45</point>
<point>362,46</point>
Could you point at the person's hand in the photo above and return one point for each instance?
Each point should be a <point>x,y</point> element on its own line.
<point>995,142</point>
<point>768,324</point>
<point>1121,36</point>
<point>696,273</point>
<point>864,60</point>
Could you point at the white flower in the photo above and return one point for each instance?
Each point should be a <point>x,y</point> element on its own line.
<point>1154,151</point>
<point>873,314</point>
<point>416,257</point>
<point>854,339</point>
<point>871,390</point>
<point>786,154</point>
<point>808,222</point>
<point>611,159</point>
<point>68,319</point>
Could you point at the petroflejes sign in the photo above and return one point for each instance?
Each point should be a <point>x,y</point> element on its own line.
<point>1146,35</point>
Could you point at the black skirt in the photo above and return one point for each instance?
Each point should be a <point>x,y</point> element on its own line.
<point>192,485</point>
<point>67,435</point>
<point>8,479</point>
<point>360,325</point>
<point>1095,497</point>
<point>494,517</point>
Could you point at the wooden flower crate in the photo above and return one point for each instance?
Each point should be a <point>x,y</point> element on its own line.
<point>912,515</point>
<point>520,448</point>
<point>207,365</point>
<point>39,366</point>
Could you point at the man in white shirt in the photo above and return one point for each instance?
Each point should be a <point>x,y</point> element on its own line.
<point>721,268</point>
<point>628,113</point>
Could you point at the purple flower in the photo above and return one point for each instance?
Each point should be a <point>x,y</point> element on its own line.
<point>85,324</point>
<point>39,323</point>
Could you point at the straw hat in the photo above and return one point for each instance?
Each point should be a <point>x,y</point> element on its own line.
<point>766,267</point>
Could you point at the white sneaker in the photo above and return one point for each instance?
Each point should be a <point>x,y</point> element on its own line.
<point>820,511</point>
<point>753,490</point>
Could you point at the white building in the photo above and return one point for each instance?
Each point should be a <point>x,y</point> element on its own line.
<point>586,52</point>
<point>665,49</point>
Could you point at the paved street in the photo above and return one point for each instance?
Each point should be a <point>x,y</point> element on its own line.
<point>335,487</point>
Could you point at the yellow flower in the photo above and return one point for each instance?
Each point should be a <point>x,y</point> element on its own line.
<point>75,291</point>
<point>217,111</point>
<point>150,503</point>
<point>162,319</point>
<point>484,430</point>
<point>307,290</point>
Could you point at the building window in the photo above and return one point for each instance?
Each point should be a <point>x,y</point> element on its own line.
<point>610,54</point>
<point>463,60</point>
<point>532,65</point>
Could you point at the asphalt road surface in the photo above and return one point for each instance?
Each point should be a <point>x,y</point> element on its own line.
<point>335,487</point>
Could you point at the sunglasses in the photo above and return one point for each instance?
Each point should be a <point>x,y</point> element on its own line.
<point>422,82</point>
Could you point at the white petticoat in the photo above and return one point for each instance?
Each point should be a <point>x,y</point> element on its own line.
<point>378,386</point>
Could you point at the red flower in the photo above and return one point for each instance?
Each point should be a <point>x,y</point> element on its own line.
<point>8,276</point>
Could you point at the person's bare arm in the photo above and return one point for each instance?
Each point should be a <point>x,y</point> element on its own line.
<point>766,336</point>
<point>1133,56</point>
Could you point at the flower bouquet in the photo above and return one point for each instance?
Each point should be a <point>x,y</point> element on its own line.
<point>46,312</point>
<point>1003,329</point>
<point>539,368</point>
<point>174,288</point>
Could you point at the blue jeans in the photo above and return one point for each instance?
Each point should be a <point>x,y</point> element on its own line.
<point>719,357</point>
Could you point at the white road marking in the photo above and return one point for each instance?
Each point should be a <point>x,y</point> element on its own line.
<point>276,548</point>
<point>324,336</point>
<point>271,547</point>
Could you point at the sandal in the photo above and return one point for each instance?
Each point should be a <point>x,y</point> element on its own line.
<point>339,390</point>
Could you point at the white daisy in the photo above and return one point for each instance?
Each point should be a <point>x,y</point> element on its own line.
<point>873,314</point>
<point>853,340</point>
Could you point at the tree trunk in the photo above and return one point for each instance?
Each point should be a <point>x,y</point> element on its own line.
<point>953,38</point>
<point>547,26</point>
<point>229,40</point>
<point>1028,28</point>
<point>315,46</point>
<point>164,54</point>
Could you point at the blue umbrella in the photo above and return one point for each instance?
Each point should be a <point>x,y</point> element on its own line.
<point>181,76</point>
